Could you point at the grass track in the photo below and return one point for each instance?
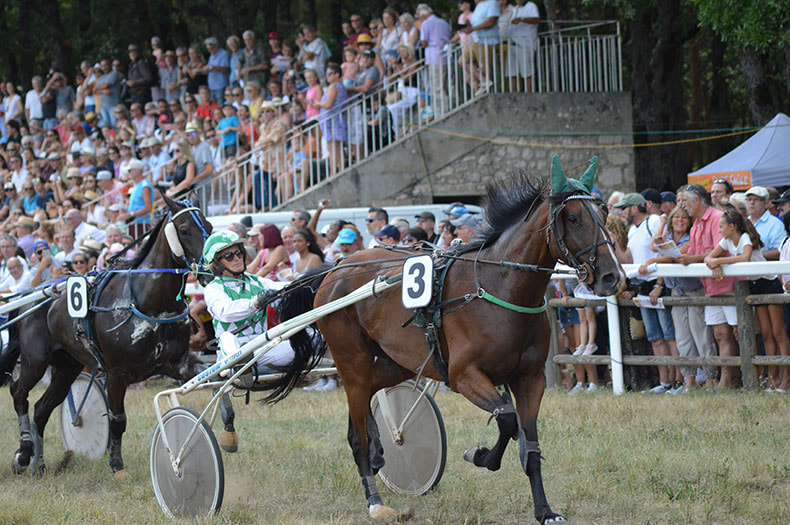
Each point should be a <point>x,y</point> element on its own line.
<point>721,458</point>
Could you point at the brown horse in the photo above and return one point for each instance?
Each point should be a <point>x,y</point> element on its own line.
<point>485,343</point>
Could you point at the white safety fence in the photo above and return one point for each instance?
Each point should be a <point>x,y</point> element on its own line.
<point>747,269</point>
<point>572,56</point>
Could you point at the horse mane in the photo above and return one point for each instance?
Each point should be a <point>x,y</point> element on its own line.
<point>508,200</point>
<point>145,249</point>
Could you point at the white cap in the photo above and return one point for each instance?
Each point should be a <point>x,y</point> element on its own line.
<point>136,164</point>
<point>757,191</point>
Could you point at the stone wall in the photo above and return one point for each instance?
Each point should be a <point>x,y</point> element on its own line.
<point>487,139</point>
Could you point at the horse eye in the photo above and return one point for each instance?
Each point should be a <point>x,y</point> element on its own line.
<point>573,219</point>
<point>183,231</point>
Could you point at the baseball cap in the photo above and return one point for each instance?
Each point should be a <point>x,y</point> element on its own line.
<point>53,156</point>
<point>631,199</point>
<point>369,53</point>
<point>388,231</point>
<point>9,186</point>
<point>274,35</point>
<point>458,210</point>
<point>40,244</point>
<point>785,197</point>
<point>651,195</point>
<point>90,115</point>
<point>211,41</point>
<point>132,47</point>
<point>464,220</point>
<point>668,196</point>
<point>452,205</point>
<point>104,175</point>
<point>136,164</point>
<point>757,191</point>
<point>164,119</point>
<point>347,236</point>
<point>426,215</point>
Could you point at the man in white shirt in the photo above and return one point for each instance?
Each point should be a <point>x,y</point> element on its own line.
<point>523,37</point>
<point>313,52</point>
<point>658,322</point>
<point>66,243</point>
<point>81,228</point>
<point>32,101</point>
<point>18,279</point>
<point>158,159</point>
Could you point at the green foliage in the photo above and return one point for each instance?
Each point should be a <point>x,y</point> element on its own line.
<point>760,25</point>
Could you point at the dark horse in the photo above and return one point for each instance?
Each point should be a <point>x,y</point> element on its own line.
<point>138,325</point>
<point>485,343</point>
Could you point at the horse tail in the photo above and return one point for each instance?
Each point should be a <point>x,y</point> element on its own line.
<point>308,344</point>
<point>10,353</point>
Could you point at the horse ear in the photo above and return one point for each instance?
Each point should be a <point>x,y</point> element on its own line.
<point>194,199</point>
<point>559,182</point>
<point>173,205</point>
<point>588,179</point>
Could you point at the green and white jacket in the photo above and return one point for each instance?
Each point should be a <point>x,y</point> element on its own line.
<point>231,301</point>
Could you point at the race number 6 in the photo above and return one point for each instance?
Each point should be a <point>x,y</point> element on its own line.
<point>77,296</point>
<point>417,285</point>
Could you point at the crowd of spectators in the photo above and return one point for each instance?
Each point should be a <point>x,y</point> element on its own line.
<point>692,226</point>
<point>188,113</point>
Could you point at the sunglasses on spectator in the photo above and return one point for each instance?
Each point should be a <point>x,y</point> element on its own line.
<point>79,261</point>
<point>229,256</point>
<point>371,220</point>
<point>192,134</point>
<point>409,239</point>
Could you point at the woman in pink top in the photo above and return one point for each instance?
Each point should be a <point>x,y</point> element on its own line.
<point>272,255</point>
<point>314,94</point>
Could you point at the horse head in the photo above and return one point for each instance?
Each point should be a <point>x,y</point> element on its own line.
<point>186,230</point>
<point>577,235</point>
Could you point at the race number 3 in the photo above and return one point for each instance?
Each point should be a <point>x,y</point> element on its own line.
<point>417,281</point>
<point>77,296</point>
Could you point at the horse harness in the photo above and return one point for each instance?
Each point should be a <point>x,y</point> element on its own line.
<point>83,328</point>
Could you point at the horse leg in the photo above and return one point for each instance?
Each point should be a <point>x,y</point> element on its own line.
<point>228,439</point>
<point>477,388</point>
<point>116,392</point>
<point>65,370</point>
<point>529,393</point>
<point>31,372</point>
<point>386,373</point>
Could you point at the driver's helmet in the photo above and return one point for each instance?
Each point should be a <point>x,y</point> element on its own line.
<point>217,242</point>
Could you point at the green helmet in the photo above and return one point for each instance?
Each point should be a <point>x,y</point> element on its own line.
<point>217,242</point>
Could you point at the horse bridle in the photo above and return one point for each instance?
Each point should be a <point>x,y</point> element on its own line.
<point>173,240</point>
<point>584,268</point>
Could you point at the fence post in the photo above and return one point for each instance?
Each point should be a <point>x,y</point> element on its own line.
<point>552,371</point>
<point>615,347</point>
<point>746,335</point>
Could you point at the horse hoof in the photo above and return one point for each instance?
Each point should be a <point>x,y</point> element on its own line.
<point>556,519</point>
<point>473,455</point>
<point>17,466</point>
<point>381,512</point>
<point>120,475</point>
<point>229,441</point>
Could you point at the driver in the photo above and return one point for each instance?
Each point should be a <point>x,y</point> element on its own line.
<point>237,299</point>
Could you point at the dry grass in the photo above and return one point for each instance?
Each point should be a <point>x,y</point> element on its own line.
<point>631,459</point>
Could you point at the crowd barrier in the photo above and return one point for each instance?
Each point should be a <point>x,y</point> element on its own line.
<point>748,359</point>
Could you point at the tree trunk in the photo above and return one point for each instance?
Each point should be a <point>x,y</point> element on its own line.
<point>757,86</point>
<point>230,19</point>
<point>56,38</point>
<point>656,47</point>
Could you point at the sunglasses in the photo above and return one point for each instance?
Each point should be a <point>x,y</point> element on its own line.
<point>79,261</point>
<point>192,134</point>
<point>229,256</point>
<point>409,239</point>
<point>371,220</point>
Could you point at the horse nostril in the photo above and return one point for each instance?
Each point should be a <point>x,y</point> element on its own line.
<point>609,278</point>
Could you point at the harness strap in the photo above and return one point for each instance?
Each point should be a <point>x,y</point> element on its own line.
<point>510,306</point>
<point>160,320</point>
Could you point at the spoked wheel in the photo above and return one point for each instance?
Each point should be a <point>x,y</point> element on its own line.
<point>197,487</point>
<point>84,425</point>
<point>415,465</point>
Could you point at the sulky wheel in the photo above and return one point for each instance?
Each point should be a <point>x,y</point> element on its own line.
<point>196,487</point>
<point>84,425</point>
<point>416,465</point>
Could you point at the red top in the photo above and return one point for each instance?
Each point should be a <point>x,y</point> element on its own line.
<point>703,238</point>
<point>206,110</point>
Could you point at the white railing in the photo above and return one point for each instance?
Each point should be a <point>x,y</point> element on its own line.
<point>747,269</point>
<point>572,56</point>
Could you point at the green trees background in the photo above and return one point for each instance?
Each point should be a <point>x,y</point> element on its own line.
<point>690,64</point>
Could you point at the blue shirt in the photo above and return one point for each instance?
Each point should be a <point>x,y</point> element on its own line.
<point>483,11</point>
<point>31,205</point>
<point>771,231</point>
<point>229,138</point>
<point>136,201</point>
<point>156,163</point>
<point>217,80</point>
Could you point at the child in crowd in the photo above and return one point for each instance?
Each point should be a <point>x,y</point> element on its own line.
<point>229,128</point>
<point>426,110</point>
<point>740,240</point>
<point>350,66</point>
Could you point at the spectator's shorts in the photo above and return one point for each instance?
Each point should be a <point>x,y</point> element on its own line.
<point>658,323</point>
<point>568,316</point>
<point>765,286</point>
<point>230,150</point>
<point>716,314</point>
